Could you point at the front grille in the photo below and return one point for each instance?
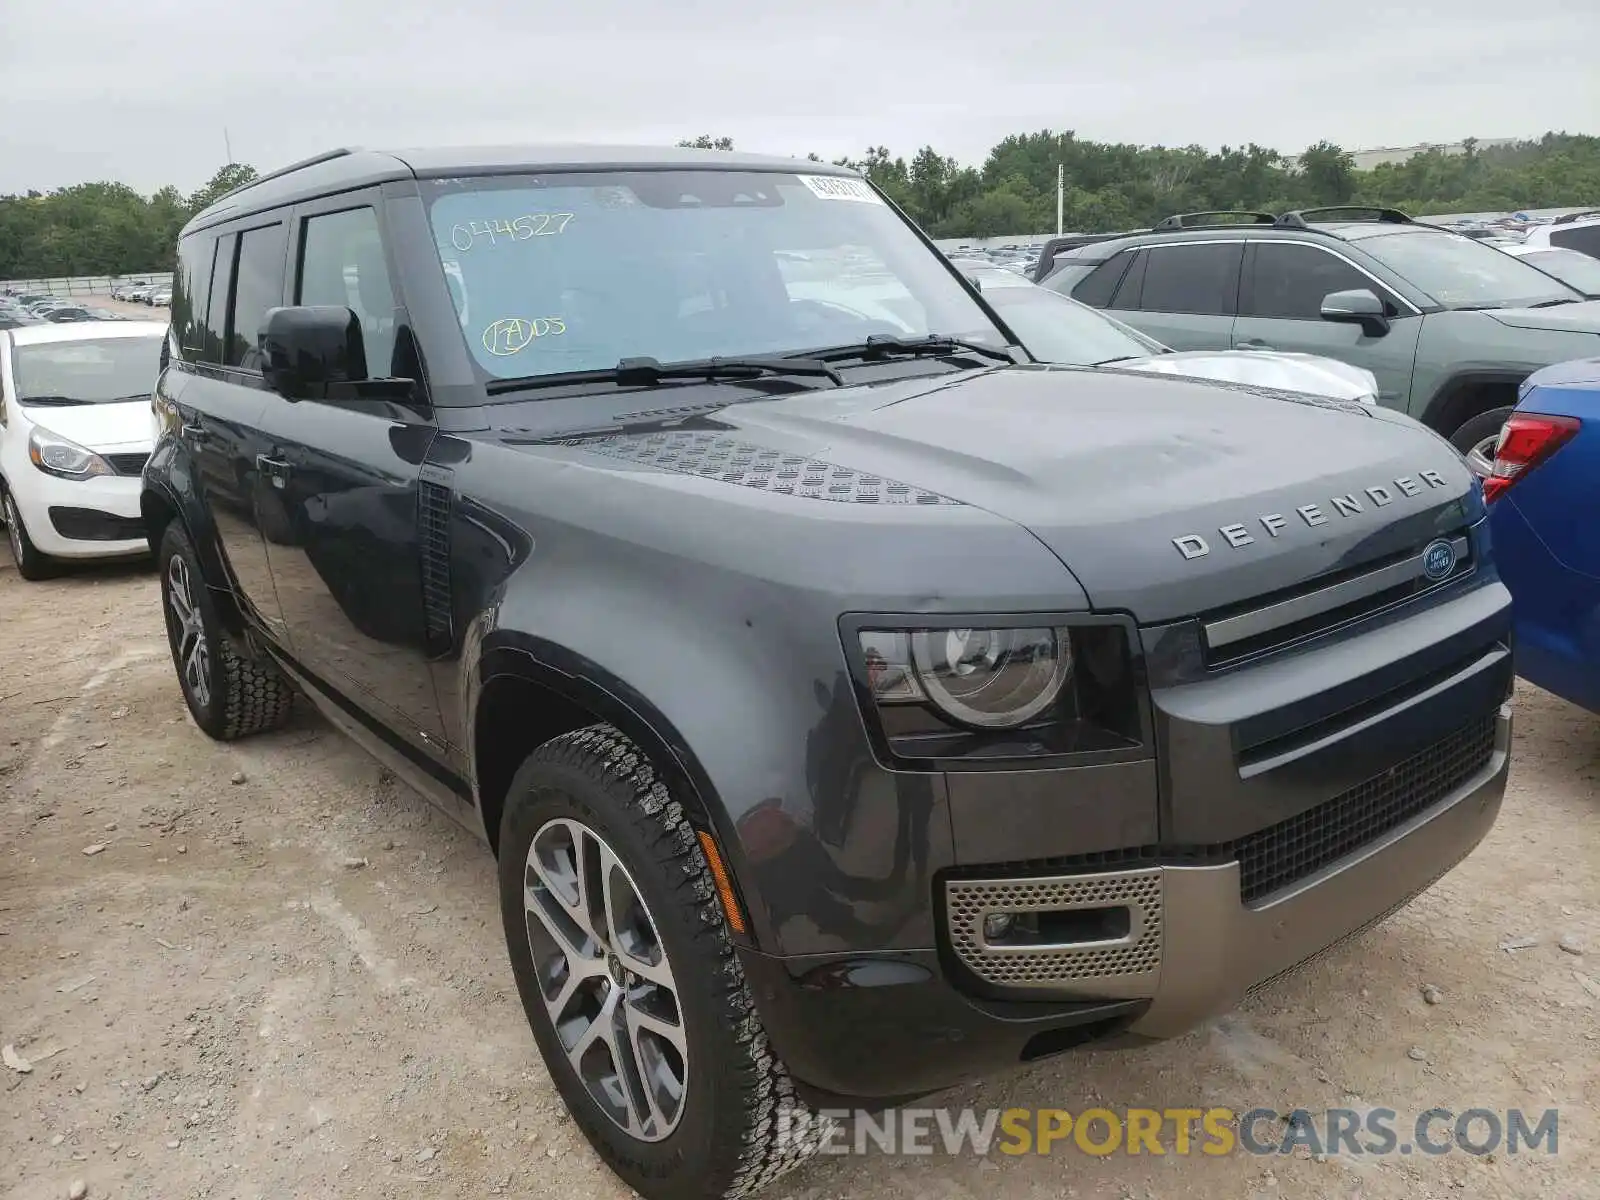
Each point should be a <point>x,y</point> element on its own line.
<point>1279,855</point>
<point>1129,959</point>
<point>128,464</point>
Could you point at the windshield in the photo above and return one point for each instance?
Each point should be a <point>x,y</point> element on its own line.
<point>1572,268</point>
<point>1461,273</point>
<point>89,370</point>
<point>1056,329</point>
<point>574,272</point>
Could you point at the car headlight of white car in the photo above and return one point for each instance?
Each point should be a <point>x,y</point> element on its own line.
<point>56,455</point>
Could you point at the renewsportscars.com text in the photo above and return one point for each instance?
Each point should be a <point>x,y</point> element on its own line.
<point>1213,1132</point>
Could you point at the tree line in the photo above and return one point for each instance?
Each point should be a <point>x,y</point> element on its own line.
<point>108,228</point>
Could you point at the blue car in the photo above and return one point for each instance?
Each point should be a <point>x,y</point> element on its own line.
<point>1544,496</point>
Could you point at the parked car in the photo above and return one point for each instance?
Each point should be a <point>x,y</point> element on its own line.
<point>1575,231</point>
<point>831,693</point>
<point>125,289</point>
<point>1057,329</point>
<point>1574,268</point>
<point>74,438</point>
<point>1542,493</point>
<point>160,297</point>
<point>140,294</point>
<point>16,318</point>
<point>1450,326</point>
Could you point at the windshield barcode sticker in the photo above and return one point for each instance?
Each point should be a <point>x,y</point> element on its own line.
<point>840,187</point>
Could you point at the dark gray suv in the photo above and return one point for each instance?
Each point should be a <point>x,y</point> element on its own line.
<point>854,707</point>
<point>1450,326</point>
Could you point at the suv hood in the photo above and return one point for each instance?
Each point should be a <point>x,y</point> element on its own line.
<point>1282,369</point>
<point>1583,317</point>
<point>1164,497</point>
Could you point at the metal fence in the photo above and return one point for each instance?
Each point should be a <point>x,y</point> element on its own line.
<point>84,285</point>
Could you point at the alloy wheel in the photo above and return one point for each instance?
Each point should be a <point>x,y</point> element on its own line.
<point>605,979</point>
<point>13,529</point>
<point>1481,457</point>
<point>193,654</point>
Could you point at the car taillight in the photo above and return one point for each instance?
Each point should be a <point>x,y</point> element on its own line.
<point>1526,441</point>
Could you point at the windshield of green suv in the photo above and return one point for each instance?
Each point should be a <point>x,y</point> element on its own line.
<point>1461,273</point>
<point>574,272</point>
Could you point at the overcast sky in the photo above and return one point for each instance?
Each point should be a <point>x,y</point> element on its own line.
<point>141,90</point>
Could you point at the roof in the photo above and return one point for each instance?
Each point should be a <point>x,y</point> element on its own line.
<point>349,167</point>
<point>1349,231</point>
<point>85,331</point>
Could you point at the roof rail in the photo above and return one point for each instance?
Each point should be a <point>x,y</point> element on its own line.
<point>1304,217</point>
<point>1577,216</point>
<point>1195,219</point>
<point>314,160</point>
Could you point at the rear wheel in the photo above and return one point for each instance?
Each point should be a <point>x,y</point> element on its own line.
<point>1477,437</point>
<point>31,564</point>
<point>630,981</point>
<point>229,696</point>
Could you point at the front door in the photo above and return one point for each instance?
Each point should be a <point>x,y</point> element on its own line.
<point>344,474</point>
<point>1280,308</point>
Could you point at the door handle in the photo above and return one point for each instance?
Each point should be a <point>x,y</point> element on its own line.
<point>275,469</point>
<point>1251,344</point>
<point>192,431</point>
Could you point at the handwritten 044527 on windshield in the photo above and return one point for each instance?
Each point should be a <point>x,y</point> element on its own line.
<point>518,229</point>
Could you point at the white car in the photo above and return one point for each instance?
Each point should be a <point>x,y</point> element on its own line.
<point>1574,268</point>
<point>75,431</point>
<point>1577,231</point>
<point>1057,329</point>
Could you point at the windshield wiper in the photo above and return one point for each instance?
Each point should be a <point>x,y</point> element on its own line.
<point>886,345</point>
<point>53,401</point>
<point>644,372</point>
<point>1553,303</point>
<point>1106,362</point>
<point>648,372</point>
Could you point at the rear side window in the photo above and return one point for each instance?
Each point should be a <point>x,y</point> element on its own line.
<point>1584,238</point>
<point>1289,282</point>
<point>1126,297</point>
<point>191,289</point>
<point>214,336</point>
<point>342,264</point>
<point>1192,279</point>
<point>257,286</point>
<point>1101,283</point>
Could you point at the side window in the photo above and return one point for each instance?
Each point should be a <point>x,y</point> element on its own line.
<point>191,289</point>
<point>1288,282</point>
<point>1127,294</point>
<point>1584,238</point>
<point>342,264</point>
<point>257,286</point>
<point>1200,279</point>
<point>1101,283</point>
<point>214,336</point>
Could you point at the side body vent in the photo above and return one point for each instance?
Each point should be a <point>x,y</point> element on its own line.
<point>435,501</point>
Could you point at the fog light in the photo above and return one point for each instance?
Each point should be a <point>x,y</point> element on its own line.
<point>996,926</point>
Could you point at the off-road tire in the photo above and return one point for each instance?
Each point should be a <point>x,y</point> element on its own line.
<point>246,696</point>
<point>742,1125</point>
<point>32,564</point>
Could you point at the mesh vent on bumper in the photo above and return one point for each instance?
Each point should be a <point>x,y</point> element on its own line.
<point>1130,961</point>
<point>1279,855</point>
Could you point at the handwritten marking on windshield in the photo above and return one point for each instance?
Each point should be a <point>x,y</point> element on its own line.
<point>520,229</point>
<point>513,335</point>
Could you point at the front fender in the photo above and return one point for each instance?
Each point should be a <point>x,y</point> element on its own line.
<point>170,492</point>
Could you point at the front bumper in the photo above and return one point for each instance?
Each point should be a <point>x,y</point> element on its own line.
<point>82,518</point>
<point>889,1027</point>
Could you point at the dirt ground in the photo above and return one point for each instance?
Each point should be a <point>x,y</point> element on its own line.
<point>216,1005</point>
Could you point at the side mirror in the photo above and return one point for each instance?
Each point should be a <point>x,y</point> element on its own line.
<point>1358,306</point>
<point>306,349</point>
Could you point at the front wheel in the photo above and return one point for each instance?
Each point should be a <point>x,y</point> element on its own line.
<point>31,564</point>
<point>1478,437</point>
<point>629,979</point>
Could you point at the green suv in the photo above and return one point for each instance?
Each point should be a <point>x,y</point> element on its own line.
<point>1450,327</point>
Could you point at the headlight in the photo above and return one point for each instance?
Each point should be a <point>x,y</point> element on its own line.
<point>55,455</point>
<point>1000,690</point>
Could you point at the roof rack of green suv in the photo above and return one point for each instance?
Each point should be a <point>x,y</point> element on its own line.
<point>1221,216</point>
<point>1304,217</point>
<point>1568,218</point>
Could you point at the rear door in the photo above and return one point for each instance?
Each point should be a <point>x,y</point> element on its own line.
<point>226,280</point>
<point>1183,294</point>
<point>1280,308</point>
<point>346,548</point>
